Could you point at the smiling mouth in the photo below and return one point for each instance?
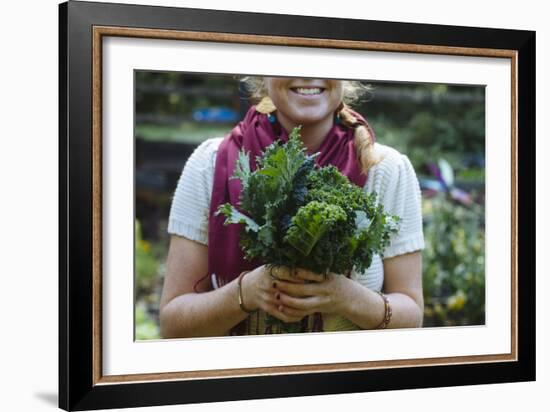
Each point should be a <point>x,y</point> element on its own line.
<point>307,91</point>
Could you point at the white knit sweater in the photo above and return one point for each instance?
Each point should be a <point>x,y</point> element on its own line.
<point>393,179</point>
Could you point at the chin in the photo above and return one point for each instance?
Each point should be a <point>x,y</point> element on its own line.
<point>307,120</point>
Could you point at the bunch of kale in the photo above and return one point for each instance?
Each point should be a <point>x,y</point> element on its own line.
<point>299,215</point>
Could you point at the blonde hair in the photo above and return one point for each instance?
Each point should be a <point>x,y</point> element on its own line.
<point>354,92</point>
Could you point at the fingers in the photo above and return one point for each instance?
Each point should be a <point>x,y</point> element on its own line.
<point>305,306</point>
<point>287,315</point>
<point>290,309</point>
<point>290,295</point>
<point>299,289</point>
<point>270,302</point>
<point>290,313</point>
<point>296,275</point>
<point>283,273</point>
<point>310,276</point>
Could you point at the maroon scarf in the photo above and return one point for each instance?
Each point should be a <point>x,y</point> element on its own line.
<point>253,135</point>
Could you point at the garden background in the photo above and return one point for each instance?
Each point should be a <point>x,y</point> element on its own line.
<point>441,128</point>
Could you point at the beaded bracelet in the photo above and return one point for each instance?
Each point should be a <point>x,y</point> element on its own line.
<point>387,312</point>
<point>241,304</point>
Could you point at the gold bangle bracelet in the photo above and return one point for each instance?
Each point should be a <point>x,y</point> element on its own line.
<point>241,304</point>
<point>387,312</point>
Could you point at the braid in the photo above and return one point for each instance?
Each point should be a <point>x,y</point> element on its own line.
<point>362,137</point>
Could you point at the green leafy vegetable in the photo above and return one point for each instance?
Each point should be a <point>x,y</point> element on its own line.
<point>299,215</point>
<point>310,224</point>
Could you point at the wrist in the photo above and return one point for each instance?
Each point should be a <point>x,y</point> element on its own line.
<point>247,300</point>
<point>345,296</point>
<point>387,312</point>
<point>361,305</point>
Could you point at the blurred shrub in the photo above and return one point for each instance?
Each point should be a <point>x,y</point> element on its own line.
<point>146,264</point>
<point>146,327</point>
<point>147,278</point>
<point>453,263</point>
<point>439,121</point>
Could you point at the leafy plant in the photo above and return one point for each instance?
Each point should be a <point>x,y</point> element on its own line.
<point>147,276</point>
<point>147,265</point>
<point>454,263</point>
<point>146,327</point>
<point>299,215</point>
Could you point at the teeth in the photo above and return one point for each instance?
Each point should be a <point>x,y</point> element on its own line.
<point>309,90</point>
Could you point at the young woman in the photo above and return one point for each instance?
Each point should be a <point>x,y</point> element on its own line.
<point>209,290</point>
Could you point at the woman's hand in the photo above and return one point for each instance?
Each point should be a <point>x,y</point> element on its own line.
<point>362,306</point>
<point>311,293</point>
<point>259,291</point>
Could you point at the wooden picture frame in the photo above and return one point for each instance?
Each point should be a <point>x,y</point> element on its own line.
<point>82,28</point>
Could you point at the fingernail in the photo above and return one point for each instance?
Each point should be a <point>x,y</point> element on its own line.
<point>280,308</point>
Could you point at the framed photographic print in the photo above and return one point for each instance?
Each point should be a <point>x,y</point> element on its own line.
<point>157,306</point>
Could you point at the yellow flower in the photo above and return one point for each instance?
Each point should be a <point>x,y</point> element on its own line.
<point>145,246</point>
<point>457,301</point>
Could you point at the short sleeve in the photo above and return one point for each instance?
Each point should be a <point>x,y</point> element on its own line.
<point>191,200</point>
<point>397,187</point>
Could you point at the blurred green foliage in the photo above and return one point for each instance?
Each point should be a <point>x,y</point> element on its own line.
<point>146,327</point>
<point>427,121</point>
<point>146,264</point>
<point>147,277</point>
<point>454,263</point>
<point>165,103</point>
<point>189,132</point>
<point>424,121</point>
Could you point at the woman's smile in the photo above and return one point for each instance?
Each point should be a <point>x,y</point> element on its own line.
<point>308,91</point>
<point>304,101</point>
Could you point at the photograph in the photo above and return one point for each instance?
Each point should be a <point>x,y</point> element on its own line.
<point>253,208</point>
<point>275,206</point>
<point>269,205</point>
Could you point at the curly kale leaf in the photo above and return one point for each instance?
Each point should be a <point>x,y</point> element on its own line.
<point>311,223</point>
<point>277,187</point>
